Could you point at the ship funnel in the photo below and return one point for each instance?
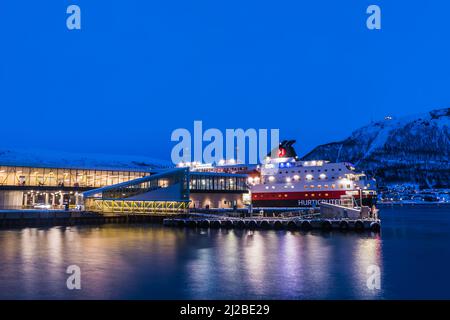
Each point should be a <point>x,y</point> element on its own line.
<point>285,150</point>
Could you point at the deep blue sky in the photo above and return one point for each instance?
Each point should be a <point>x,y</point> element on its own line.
<point>139,69</point>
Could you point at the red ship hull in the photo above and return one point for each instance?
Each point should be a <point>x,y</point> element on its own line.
<point>303,199</point>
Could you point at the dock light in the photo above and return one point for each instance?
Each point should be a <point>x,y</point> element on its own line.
<point>271,178</point>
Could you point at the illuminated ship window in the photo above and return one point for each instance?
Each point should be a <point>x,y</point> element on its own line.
<point>312,194</point>
<point>341,186</point>
<point>326,194</point>
<point>326,186</point>
<point>319,186</point>
<point>348,186</point>
<point>279,196</point>
<point>285,195</point>
<point>333,186</point>
<point>306,187</point>
<point>311,186</point>
<point>306,195</point>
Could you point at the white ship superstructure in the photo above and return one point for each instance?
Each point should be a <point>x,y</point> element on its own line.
<point>285,181</point>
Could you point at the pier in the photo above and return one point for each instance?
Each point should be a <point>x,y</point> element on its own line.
<point>42,218</point>
<point>297,223</point>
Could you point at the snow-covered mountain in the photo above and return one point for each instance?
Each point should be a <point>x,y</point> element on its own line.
<point>58,159</point>
<point>414,149</point>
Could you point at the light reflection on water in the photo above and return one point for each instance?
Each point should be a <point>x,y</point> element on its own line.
<point>154,262</point>
<point>120,261</point>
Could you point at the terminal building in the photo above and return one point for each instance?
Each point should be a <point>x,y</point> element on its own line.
<point>45,180</point>
<point>171,190</point>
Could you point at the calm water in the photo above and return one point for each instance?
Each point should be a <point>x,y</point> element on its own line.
<point>149,262</point>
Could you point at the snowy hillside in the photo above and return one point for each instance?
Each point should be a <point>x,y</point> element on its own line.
<point>412,149</point>
<point>53,159</point>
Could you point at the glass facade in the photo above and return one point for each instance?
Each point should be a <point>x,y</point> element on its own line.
<point>217,182</point>
<point>59,177</point>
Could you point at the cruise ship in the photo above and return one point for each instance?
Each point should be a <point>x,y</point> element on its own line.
<point>285,181</point>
